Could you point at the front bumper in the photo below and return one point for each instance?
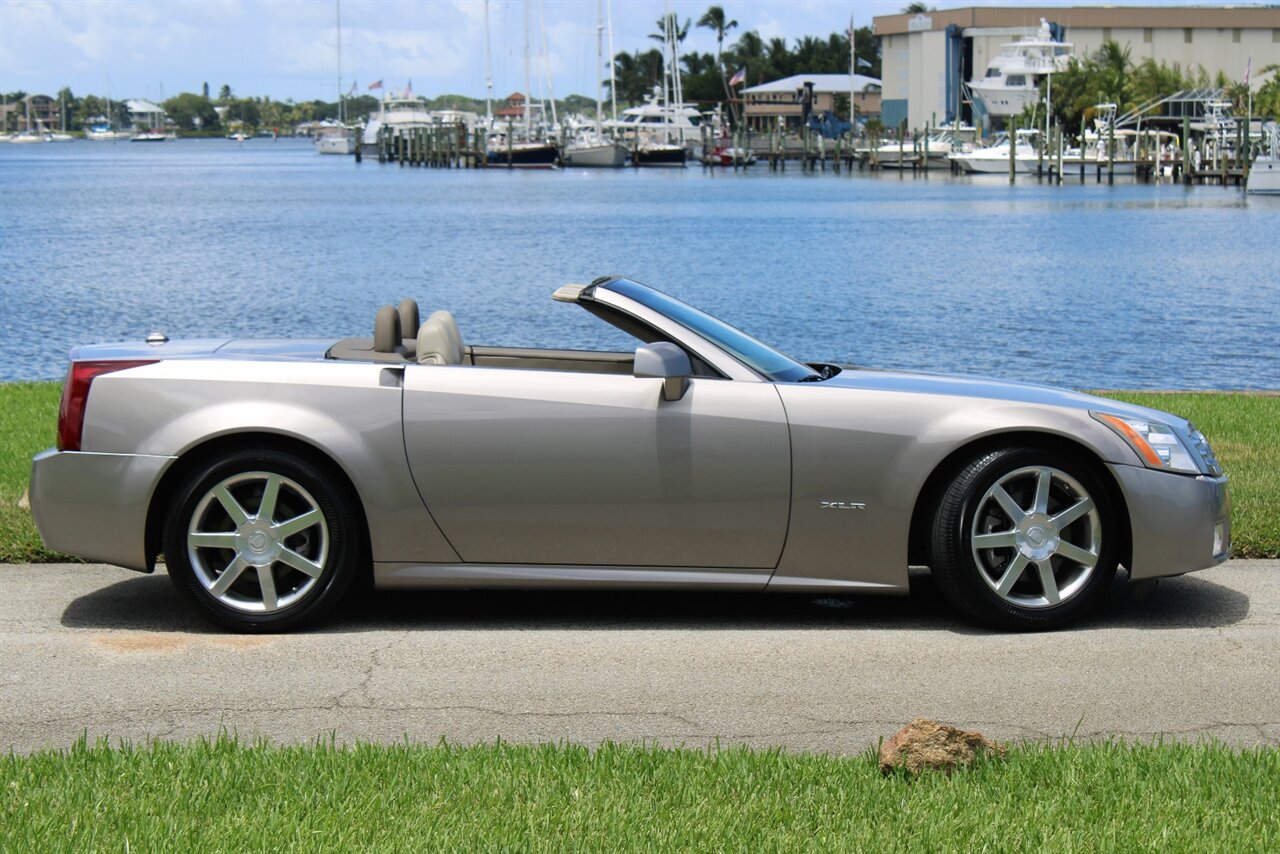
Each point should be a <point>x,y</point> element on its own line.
<point>1175,520</point>
<point>94,506</point>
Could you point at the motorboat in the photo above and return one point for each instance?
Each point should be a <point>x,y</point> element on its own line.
<point>652,130</point>
<point>939,145</point>
<point>103,132</point>
<point>149,135</point>
<point>994,159</point>
<point>1012,81</point>
<point>1264,174</point>
<point>237,137</point>
<point>335,139</point>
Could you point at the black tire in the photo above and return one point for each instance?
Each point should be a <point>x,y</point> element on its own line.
<point>971,575</point>
<point>329,550</point>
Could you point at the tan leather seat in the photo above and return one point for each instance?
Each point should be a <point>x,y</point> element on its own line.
<point>439,342</point>
<point>386,331</point>
<point>409,321</point>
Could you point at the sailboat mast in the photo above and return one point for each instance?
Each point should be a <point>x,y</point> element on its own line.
<point>677,88</point>
<point>853,70</point>
<point>338,10</point>
<point>666,72</point>
<point>546,65</point>
<point>599,61</point>
<point>528,92</point>
<point>488,71</point>
<point>613,80</point>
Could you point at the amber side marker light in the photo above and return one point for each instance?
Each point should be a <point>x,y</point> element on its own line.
<point>75,394</point>
<point>1135,438</point>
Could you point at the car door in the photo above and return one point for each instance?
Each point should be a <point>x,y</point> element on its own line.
<point>525,466</point>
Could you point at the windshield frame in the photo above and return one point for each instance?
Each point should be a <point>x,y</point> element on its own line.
<point>761,358</point>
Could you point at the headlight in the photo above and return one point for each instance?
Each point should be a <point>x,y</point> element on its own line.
<point>1156,443</point>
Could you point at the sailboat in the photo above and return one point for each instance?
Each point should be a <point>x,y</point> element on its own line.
<point>590,147</point>
<point>31,135</point>
<point>526,153</point>
<point>337,138</point>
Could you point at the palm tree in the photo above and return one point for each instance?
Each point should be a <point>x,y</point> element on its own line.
<point>671,24</point>
<point>714,19</point>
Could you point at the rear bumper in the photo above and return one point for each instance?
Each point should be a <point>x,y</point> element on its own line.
<point>94,506</point>
<point>1176,520</point>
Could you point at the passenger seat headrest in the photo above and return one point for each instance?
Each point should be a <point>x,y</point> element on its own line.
<point>439,342</point>
<point>408,310</point>
<point>386,330</point>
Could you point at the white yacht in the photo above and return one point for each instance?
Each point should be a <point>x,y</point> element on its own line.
<point>1264,174</point>
<point>994,159</point>
<point>1013,77</point>
<point>658,133</point>
<point>335,139</point>
<point>940,145</point>
<point>405,111</point>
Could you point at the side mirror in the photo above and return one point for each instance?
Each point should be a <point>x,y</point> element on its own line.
<point>667,362</point>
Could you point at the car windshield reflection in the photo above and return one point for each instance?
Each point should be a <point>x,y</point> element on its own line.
<point>755,354</point>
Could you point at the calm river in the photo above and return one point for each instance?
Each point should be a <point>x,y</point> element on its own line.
<point>1090,286</point>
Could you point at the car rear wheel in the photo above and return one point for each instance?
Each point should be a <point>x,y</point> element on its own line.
<point>1024,538</point>
<point>262,541</point>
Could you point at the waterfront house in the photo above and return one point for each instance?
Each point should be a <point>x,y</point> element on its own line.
<point>144,114</point>
<point>783,99</point>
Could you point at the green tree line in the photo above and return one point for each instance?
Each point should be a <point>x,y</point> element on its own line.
<point>1110,76</point>
<point>705,76</point>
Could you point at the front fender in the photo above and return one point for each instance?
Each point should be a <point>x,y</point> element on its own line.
<point>877,448</point>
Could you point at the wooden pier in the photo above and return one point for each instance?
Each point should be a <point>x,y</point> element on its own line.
<point>454,146</point>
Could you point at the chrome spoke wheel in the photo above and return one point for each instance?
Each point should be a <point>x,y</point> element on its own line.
<point>258,542</point>
<point>1036,537</point>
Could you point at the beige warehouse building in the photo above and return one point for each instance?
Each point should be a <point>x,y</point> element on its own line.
<point>925,57</point>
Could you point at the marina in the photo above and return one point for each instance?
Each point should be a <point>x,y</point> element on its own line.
<point>1170,284</point>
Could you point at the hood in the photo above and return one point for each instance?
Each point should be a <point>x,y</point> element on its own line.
<point>993,389</point>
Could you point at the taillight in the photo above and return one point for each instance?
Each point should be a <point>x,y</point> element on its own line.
<point>75,393</point>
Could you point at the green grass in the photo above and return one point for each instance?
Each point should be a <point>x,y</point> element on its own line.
<point>1245,433</point>
<point>223,796</point>
<point>28,423</point>
<point>1244,430</point>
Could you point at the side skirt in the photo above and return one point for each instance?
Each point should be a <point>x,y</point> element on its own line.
<point>410,576</point>
<point>419,576</point>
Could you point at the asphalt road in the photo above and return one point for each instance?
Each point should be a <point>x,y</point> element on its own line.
<point>108,652</point>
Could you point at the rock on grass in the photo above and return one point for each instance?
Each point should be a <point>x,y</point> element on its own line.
<point>924,744</point>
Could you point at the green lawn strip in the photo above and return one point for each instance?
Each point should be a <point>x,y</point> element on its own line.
<point>28,422</point>
<point>222,796</point>
<point>1244,430</point>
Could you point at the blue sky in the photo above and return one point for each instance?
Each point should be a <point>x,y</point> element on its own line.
<point>288,48</point>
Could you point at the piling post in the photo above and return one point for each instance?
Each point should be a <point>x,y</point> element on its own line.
<point>1111,153</point>
<point>1013,163</point>
<point>1186,149</point>
<point>1060,146</point>
<point>924,160</point>
<point>902,146</point>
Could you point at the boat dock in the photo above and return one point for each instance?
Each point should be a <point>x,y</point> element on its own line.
<point>1207,160</point>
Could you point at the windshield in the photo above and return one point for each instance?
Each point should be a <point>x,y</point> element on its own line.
<point>756,355</point>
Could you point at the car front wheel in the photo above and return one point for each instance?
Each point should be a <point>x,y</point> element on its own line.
<point>1024,538</point>
<point>262,541</point>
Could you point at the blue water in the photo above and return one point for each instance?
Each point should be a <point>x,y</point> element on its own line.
<point>1127,286</point>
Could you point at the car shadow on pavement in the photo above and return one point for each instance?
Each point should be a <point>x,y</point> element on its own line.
<point>150,603</point>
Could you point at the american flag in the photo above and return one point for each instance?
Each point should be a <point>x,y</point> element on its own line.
<point>377,84</point>
<point>740,77</point>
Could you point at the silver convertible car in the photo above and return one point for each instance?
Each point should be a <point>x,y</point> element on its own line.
<point>272,475</point>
